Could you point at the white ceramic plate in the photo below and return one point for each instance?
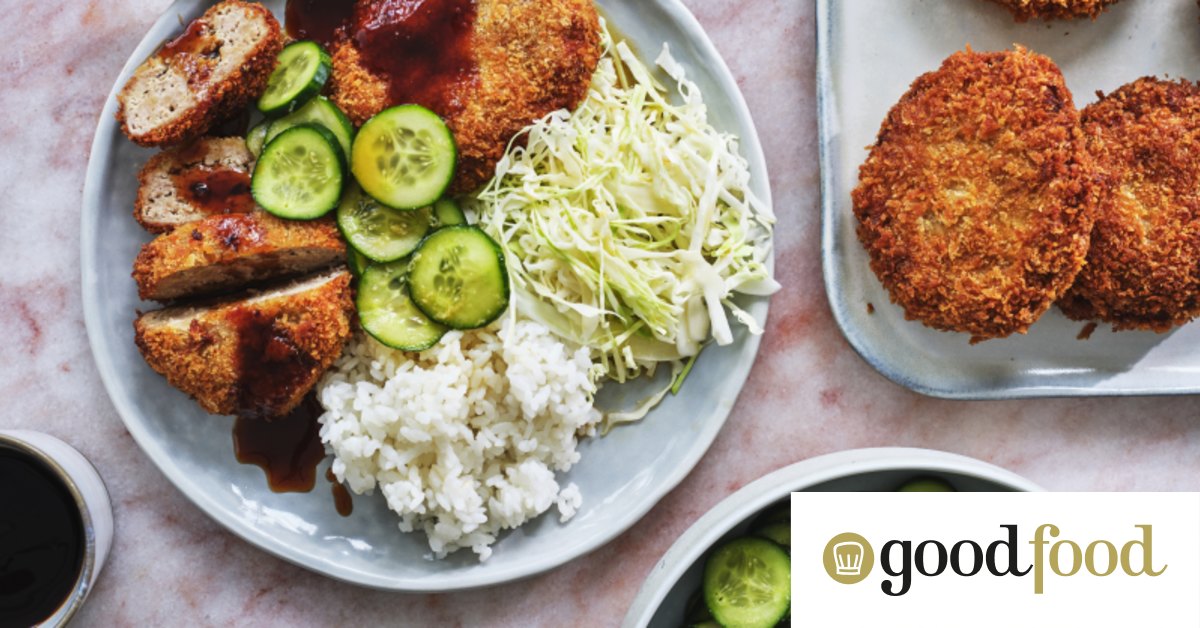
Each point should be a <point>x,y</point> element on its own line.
<point>195,450</point>
<point>662,600</point>
<point>869,52</point>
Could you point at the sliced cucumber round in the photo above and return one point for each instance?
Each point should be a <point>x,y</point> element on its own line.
<point>748,582</point>
<point>388,314</point>
<point>256,137</point>
<point>300,173</point>
<point>300,74</point>
<point>322,111</point>
<point>448,214</point>
<point>380,233</point>
<point>404,157</point>
<point>458,278</point>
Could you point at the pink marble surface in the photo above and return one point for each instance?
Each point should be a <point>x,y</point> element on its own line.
<point>809,393</point>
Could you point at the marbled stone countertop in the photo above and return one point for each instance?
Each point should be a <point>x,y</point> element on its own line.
<point>809,393</point>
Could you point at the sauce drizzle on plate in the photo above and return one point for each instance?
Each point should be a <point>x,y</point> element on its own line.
<point>288,449</point>
<point>341,495</point>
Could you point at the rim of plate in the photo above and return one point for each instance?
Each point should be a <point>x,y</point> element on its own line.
<point>127,406</point>
<point>733,510</point>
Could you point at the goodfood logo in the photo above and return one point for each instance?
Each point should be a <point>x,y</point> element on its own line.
<point>849,558</point>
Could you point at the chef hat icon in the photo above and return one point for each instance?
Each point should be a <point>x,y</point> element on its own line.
<point>848,558</point>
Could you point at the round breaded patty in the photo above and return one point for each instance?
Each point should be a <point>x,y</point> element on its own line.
<point>1143,268</point>
<point>1025,10</point>
<point>534,57</point>
<point>976,201</point>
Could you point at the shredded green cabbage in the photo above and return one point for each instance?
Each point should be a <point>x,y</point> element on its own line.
<point>629,224</point>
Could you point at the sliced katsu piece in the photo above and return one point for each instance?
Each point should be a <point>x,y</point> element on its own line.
<point>216,67</point>
<point>180,185</point>
<point>224,253</point>
<point>497,66</point>
<point>257,356</point>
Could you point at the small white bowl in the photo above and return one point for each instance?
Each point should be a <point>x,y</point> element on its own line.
<point>664,595</point>
<point>91,499</point>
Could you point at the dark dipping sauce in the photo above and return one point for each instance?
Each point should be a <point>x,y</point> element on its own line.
<point>215,190</point>
<point>421,48</point>
<point>288,449</point>
<point>41,540</point>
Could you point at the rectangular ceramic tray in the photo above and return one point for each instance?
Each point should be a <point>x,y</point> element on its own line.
<point>869,51</point>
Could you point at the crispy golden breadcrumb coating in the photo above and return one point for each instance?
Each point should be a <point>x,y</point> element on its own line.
<point>220,253</point>
<point>534,57</point>
<point>977,199</point>
<point>255,357</point>
<point>1143,269</point>
<point>1025,10</point>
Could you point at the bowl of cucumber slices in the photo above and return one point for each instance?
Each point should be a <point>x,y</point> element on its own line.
<point>753,526</point>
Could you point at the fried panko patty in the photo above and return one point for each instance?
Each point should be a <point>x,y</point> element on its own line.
<point>977,199</point>
<point>1143,269</point>
<point>1025,10</point>
<point>533,56</point>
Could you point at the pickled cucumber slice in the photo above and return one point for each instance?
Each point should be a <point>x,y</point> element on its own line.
<point>404,157</point>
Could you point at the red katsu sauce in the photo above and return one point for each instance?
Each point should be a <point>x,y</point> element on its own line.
<point>193,53</point>
<point>215,190</point>
<point>288,449</point>
<point>323,21</point>
<point>422,49</point>
<point>271,368</point>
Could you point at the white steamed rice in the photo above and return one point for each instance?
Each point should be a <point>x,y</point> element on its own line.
<point>464,439</point>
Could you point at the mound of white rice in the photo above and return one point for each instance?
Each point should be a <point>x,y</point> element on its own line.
<point>463,439</point>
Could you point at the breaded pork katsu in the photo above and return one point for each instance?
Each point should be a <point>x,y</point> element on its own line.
<point>1025,10</point>
<point>222,253</point>
<point>977,200</point>
<point>255,356</point>
<point>214,69</point>
<point>208,176</point>
<point>513,62</point>
<point>1143,269</point>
